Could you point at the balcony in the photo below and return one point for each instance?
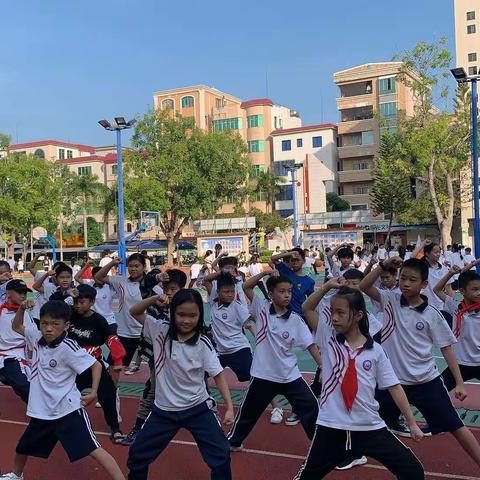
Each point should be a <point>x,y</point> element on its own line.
<point>357,126</point>
<point>337,218</point>
<point>357,151</point>
<point>358,101</point>
<point>357,199</point>
<point>347,176</point>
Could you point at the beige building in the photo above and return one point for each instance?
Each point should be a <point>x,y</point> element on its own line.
<point>52,149</point>
<point>467,35</point>
<point>371,98</point>
<point>315,147</point>
<point>254,120</point>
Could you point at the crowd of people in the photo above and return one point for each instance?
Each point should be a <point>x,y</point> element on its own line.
<point>371,365</point>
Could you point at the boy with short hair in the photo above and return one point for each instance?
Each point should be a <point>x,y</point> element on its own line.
<point>465,323</point>
<point>55,405</point>
<point>90,330</point>
<point>274,368</point>
<point>344,254</point>
<point>411,328</point>
<point>62,288</point>
<point>13,351</point>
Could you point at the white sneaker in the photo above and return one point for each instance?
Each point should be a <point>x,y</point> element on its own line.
<point>347,465</point>
<point>11,476</point>
<point>276,416</point>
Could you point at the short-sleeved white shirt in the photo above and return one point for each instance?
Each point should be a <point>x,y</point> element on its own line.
<point>128,294</point>
<point>467,348</point>
<point>373,368</point>
<point>195,270</point>
<point>103,303</point>
<point>435,274</point>
<point>12,344</point>
<point>180,367</point>
<point>53,392</point>
<point>274,358</point>
<point>227,326</point>
<point>239,293</point>
<point>408,335</point>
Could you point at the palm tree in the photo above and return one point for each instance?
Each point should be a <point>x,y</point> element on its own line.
<point>108,205</point>
<point>269,183</point>
<point>88,191</point>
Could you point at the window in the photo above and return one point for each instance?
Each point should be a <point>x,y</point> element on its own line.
<point>361,190</point>
<point>39,153</point>
<point>114,228</point>
<point>391,129</point>
<point>472,70</point>
<point>367,137</point>
<point>188,102</point>
<point>256,146</point>
<point>360,166</point>
<point>279,168</point>
<point>470,16</point>
<point>471,29</point>
<point>285,193</point>
<point>255,121</point>
<point>114,169</point>
<point>69,154</point>
<point>129,228</point>
<point>340,189</point>
<point>61,153</point>
<point>84,170</point>
<point>387,85</point>
<point>360,207</point>
<point>299,142</point>
<point>277,123</point>
<point>168,104</point>
<point>316,142</point>
<point>257,169</point>
<point>472,57</point>
<point>227,124</point>
<point>260,196</point>
<point>388,110</point>
<point>218,103</point>
<point>286,145</point>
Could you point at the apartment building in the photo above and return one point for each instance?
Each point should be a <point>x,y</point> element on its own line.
<point>467,35</point>
<point>315,148</point>
<point>371,98</point>
<point>254,120</point>
<point>52,149</point>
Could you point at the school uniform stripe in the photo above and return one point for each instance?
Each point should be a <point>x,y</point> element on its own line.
<point>336,375</point>
<point>390,324</point>
<point>207,342</point>
<point>262,335</point>
<point>302,467</point>
<point>72,344</point>
<point>239,412</point>
<point>89,427</point>
<point>161,358</point>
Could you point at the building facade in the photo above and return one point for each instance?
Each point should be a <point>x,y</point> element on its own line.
<point>254,120</point>
<point>371,99</point>
<point>467,35</point>
<point>315,148</point>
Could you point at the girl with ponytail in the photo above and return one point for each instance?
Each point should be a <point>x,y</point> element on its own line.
<point>348,423</point>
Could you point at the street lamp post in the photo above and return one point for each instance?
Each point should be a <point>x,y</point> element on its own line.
<point>461,77</point>
<point>293,174</point>
<point>118,125</point>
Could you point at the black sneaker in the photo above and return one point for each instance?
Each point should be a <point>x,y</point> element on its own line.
<point>348,464</point>
<point>130,438</point>
<point>400,428</point>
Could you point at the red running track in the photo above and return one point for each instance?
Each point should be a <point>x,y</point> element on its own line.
<point>272,452</point>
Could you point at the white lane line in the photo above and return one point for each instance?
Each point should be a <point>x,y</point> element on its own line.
<point>290,456</point>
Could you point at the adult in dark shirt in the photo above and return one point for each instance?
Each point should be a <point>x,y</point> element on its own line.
<point>90,330</point>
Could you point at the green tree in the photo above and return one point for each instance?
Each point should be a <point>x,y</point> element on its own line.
<point>269,184</point>
<point>335,203</point>
<point>181,171</point>
<point>28,196</point>
<point>435,144</point>
<point>267,222</point>
<point>88,194</point>
<point>95,236</point>
<point>391,188</point>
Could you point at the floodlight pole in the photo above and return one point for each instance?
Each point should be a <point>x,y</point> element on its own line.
<point>476,200</point>
<point>293,170</point>
<point>122,247</point>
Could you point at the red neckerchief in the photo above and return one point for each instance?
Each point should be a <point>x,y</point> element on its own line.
<point>11,307</point>
<point>349,385</point>
<point>460,313</point>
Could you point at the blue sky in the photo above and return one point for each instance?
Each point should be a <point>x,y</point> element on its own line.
<point>66,64</point>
